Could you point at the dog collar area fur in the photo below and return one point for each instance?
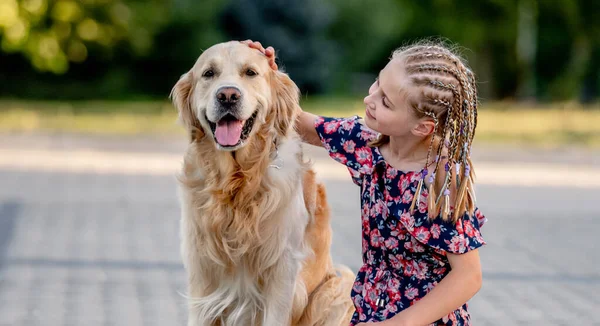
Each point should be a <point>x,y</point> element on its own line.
<point>276,160</point>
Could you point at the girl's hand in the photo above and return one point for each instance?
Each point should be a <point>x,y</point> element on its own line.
<point>269,52</point>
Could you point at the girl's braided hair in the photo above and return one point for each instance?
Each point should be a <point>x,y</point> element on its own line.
<point>445,90</point>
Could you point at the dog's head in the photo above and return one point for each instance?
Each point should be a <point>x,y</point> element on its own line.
<point>231,94</point>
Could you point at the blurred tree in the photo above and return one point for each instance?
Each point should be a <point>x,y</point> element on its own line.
<point>486,31</point>
<point>142,54</point>
<point>569,35</point>
<point>526,48</point>
<point>296,29</point>
<point>521,49</point>
<point>365,34</point>
<point>193,27</point>
<point>52,33</point>
<point>590,24</point>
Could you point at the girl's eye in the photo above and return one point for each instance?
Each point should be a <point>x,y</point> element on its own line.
<point>209,73</point>
<point>251,73</point>
<point>383,101</point>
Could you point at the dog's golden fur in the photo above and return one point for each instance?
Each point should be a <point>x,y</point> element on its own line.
<point>255,224</point>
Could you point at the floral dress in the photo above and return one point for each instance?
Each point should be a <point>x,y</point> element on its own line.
<point>404,254</point>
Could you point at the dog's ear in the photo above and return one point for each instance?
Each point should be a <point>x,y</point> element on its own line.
<point>286,97</point>
<point>181,97</point>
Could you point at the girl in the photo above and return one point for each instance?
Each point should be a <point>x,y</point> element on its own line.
<point>411,158</point>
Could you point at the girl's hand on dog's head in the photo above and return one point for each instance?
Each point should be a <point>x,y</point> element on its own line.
<point>269,52</point>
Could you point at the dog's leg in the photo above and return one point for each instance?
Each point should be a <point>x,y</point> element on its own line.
<point>193,317</point>
<point>317,236</point>
<point>189,251</point>
<point>300,300</point>
<point>279,291</point>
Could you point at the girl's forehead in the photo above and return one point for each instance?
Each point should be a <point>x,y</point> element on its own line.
<point>396,66</point>
<point>393,77</point>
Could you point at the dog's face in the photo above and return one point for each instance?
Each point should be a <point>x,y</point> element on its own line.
<point>230,91</point>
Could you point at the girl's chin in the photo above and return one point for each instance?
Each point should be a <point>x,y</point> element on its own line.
<point>370,122</point>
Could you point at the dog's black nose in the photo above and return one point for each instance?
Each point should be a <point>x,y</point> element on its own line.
<point>228,95</point>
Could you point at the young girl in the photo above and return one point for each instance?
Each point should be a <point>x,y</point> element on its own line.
<point>410,156</point>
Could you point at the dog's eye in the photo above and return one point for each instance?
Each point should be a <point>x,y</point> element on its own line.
<point>251,73</point>
<point>209,73</point>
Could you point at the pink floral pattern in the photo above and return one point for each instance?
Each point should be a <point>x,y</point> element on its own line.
<point>404,254</point>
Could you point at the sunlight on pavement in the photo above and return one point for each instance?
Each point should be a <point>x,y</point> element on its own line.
<point>106,162</point>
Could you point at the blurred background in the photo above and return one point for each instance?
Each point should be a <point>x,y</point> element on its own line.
<point>72,65</point>
<point>89,147</point>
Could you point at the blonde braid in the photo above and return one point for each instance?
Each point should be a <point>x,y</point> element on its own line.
<point>428,63</point>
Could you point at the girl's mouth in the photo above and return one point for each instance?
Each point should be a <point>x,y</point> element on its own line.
<point>369,114</point>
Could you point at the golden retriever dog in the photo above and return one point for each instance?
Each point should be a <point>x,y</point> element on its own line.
<point>255,225</point>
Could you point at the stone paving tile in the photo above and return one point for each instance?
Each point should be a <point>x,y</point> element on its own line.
<point>87,249</point>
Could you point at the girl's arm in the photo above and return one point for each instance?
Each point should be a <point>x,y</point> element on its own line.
<point>305,126</point>
<point>456,288</point>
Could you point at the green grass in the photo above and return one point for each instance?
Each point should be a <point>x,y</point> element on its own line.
<point>98,117</point>
<point>538,125</point>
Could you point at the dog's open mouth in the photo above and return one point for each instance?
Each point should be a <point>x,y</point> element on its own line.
<point>229,131</point>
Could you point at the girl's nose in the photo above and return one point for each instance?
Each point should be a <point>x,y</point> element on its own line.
<point>368,101</point>
<point>372,89</point>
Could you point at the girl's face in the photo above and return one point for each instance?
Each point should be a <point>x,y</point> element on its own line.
<point>387,109</point>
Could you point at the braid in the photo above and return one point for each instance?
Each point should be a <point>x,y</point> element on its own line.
<point>466,138</point>
<point>474,103</point>
<point>469,87</point>
<point>456,136</point>
<point>452,91</point>
<point>439,68</point>
<point>417,49</point>
<point>453,116</point>
<point>447,106</point>
<point>424,56</point>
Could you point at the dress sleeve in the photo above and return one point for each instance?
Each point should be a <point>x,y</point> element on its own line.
<point>346,140</point>
<point>457,237</point>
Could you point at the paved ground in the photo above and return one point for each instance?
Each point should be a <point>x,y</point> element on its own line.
<point>89,233</point>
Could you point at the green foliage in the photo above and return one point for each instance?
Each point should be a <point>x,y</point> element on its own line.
<point>296,28</point>
<point>521,49</point>
<point>54,33</point>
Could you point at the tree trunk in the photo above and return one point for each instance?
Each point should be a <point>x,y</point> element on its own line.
<point>526,48</point>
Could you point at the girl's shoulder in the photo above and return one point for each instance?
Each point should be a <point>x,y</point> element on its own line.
<point>347,140</point>
<point>349,127</point>
<point>445,235</point>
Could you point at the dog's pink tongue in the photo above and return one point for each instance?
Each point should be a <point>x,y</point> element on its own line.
<point>228,133</point>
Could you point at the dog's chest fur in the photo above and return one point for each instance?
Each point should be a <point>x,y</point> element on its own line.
<point>241,253</point>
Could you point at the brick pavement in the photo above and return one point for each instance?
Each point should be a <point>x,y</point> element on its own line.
<point>85,248</point>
